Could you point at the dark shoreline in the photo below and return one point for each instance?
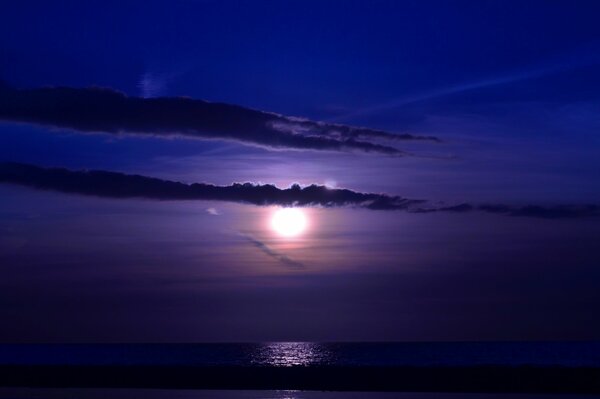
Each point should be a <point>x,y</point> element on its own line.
<point>491,379</point>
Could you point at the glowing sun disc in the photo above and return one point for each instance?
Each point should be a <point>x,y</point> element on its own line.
<point>288,222</point>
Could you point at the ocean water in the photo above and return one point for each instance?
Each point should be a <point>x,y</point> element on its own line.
<point>285,354</point>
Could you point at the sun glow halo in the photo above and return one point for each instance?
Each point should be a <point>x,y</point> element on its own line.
<point>289,222</point>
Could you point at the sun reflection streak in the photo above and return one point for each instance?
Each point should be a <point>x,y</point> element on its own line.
<point>288,354</point>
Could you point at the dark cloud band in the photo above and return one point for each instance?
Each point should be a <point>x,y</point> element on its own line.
<point>119,185</point>
<point>109,111</point>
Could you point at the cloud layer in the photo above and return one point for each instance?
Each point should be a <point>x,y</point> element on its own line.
<point>109,111</point>
<point>119,185</point>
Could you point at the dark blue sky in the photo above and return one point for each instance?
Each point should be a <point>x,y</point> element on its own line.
<point>509,87</point>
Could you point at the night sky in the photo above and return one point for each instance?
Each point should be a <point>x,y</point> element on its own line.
<point>445,155</point>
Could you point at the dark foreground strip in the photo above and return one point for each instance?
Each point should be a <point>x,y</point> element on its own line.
<point>408,379</point>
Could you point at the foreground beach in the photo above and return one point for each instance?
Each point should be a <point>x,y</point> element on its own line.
<point>110,393</point>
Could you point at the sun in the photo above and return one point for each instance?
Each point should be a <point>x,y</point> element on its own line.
<point>289,222</point>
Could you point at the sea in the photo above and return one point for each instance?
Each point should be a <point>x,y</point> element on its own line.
<point>293,354</point>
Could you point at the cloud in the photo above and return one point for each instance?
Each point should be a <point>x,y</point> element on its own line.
<point>341,132</point>
<point>213,211</point>
<point>555,212</point>
<point>151,85</point>
<point>583,56</point>
<point>109,111</point>
<point>284,259</point>
<point>569,211</point>
<point>119,185</point>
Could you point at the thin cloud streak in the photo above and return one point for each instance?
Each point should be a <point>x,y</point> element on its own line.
<point>566,63</point>
<point>283,259</point>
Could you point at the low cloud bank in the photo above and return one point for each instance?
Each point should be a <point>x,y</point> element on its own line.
<point>119,185</point>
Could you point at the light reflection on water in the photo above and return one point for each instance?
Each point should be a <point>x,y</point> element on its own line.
<point>291,354</point>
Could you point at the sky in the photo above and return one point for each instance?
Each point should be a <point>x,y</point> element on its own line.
<point>444,154</point>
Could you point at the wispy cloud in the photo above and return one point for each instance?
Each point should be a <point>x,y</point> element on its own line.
<point>109,111</point>
<point>119,185</point>
<point>151,85</point>
<point>585,56</point>
<point>284,259</point>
